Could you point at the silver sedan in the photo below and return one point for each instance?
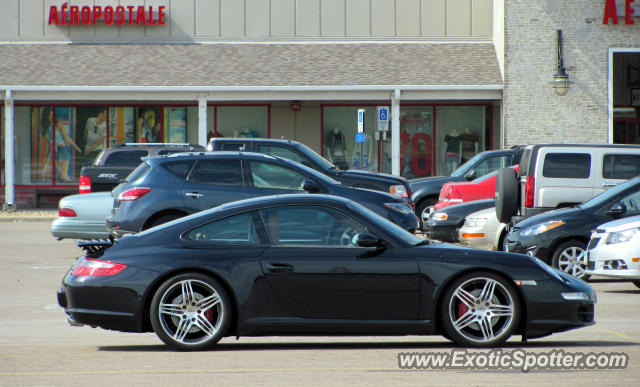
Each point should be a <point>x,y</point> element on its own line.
<point>82,216</point>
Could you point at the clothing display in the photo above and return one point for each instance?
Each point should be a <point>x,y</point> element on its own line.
<point>337,149</point>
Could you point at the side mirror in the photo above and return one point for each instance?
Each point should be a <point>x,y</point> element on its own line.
<point>369,240</point>
<point>617,209</point>
<point>470,175</point>
<point>311,186</point>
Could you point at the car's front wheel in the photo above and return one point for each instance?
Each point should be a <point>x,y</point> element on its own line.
<point>190,311</point>
<point>480,310</point>
<point>570,257</point>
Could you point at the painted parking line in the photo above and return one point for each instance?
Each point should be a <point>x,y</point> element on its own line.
<point>619,334</point>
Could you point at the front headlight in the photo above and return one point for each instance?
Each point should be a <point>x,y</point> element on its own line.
<point>542,227</point>
<point>439,216</point>
<point>475,222</point>
<point>621,236</point>
<point>400,207</point>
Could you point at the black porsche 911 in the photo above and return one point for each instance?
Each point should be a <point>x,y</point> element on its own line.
<point>309,265</point>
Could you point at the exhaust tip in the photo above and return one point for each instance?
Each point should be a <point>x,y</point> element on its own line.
<point>73,322</point>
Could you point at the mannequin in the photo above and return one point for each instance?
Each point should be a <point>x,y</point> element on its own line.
<point>452,151</point>
<point>469,145</point>
<point>336,148</point>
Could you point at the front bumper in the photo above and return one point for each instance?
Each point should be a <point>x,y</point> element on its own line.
<point>444,231</point>
<point>476,237</point>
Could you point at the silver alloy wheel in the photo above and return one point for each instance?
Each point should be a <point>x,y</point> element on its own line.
<point>573,261</point>
<point>190,312</point>
<point>482,310</point>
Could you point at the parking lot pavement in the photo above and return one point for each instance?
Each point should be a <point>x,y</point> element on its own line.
<point>37,347</point>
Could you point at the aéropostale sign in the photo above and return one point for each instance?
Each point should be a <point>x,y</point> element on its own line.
<point>119,15</point>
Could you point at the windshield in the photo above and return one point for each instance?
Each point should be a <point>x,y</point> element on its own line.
<point>609,194</point>
<point>388,226</point>
<point>321,161</point>
<point>319,177</point>
<point>464,168</point>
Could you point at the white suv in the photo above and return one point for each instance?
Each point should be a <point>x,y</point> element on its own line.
<point>614,250</point>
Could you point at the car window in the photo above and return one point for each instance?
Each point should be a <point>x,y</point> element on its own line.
<point>236,229</point>
<point>311,226</point>
<point>279,151</point>
<point>179,168</point>
<point>232,146</point>
<point>268,175</point>
<point>139,172</point>
<point>493,164</point>
<point>621,166</point>
<point>567,165</point>
<point>607,195</point>
<point>126,158</point>
<point>217,171</point>
<point>632,202</point>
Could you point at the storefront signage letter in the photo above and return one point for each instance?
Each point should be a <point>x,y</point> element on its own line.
<point>611,12</point>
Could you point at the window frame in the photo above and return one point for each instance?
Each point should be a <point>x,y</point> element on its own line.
<point>263,236</point>
<point>196,165</point>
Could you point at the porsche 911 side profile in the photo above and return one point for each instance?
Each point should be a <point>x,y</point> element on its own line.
<point>309,265</point>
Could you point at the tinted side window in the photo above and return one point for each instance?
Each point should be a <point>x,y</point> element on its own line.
<point>126,158</point>
<point>621,166</point>
<point>267,175</point>
<point>492,164</point>
<point>217,171</point>
<point>279,151</point>
<point>236,229</point>
<point>632,202</point>
<point>567,165</point>
<point>232,146</point>
<point>137,173</point>
<point>179,168</point>
<point>311,226</point>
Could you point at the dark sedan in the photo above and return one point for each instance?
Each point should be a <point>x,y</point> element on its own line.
<point>560,237</point>
<point>310,265</point>
<point>443,224</point>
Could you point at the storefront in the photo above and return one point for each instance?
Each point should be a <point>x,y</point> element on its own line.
<point>72,90</point>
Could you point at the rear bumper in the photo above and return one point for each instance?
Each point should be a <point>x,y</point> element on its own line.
<point>78,229</point>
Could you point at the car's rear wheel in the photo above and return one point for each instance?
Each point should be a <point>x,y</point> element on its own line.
<point>636,282</point>
<point>507,189</point>
<point>480,310</point>
<point>570,257</point>
<point>190,311</point>
<point>164,219</point>
<point>423,206</point>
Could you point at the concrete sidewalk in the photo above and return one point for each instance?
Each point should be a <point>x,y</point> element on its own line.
<point>29,215</point>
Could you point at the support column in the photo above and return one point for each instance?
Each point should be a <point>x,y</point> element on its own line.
<point>9,162</point>
<point>395,133</point>
<point>202,121</point>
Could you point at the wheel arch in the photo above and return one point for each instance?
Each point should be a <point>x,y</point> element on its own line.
<point>555,244</point>
<point>153,288</point>
<point>169,211</point>
<point>445,285</point>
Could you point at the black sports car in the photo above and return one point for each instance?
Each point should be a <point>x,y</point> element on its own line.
<point>309,265</point>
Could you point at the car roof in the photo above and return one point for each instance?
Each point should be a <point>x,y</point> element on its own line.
<point>245,139</point>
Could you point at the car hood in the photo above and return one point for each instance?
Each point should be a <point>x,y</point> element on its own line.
<point>559,214</point>
<point>356,173</point>
<point>621,224</point>
<point>430,180</point>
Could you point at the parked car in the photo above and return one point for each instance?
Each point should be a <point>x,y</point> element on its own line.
<point>483,230</point>
<point>562,175</point>
<point>297,151</point>
<point>115,163</point>
<point>293,264</point>
<point>443,224</point>
<point>164,188</point>
<point>483,187</point>
<point>427,189</point>
<point>614,250</point>
<point>82,216</point>
<point>559,237</point>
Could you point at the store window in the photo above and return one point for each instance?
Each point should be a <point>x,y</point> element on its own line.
<point>416,141</point>
<point>460,135</point>
<point>626,97</point>
<point>241,121</point>
<point>2,162</point>
<point>340,126</point>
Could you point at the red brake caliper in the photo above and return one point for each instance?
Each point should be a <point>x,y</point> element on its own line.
<point>462,309</point>
<point>209,314</point>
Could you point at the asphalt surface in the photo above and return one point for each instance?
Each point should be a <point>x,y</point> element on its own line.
<point>38,347</point>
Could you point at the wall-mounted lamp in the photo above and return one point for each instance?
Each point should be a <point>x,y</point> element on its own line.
<point>296,106</point>
<point>561,78</point>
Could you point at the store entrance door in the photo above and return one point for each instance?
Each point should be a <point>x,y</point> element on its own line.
<point>626,131</point>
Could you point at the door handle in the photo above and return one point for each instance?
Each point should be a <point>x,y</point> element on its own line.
<point>609,184</point>
<point>194,195</point>
<point>279,268</point>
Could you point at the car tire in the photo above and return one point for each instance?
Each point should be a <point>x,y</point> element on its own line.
<point>423,205</point>
<point>569,257</point>
<point>637,283</point>
<point>507,194</point>
<point>164,219</point>
<point>190,312</point>
<point>480,310</point>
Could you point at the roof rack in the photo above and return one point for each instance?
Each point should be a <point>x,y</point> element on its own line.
<point>154,144</point>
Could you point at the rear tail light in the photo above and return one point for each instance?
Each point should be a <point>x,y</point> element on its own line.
<point>85,184</point>
<point>96,267</point>
<point>67,212</point>
<point>529,190</point>
<point>403,192</point>
<point>133,194</point>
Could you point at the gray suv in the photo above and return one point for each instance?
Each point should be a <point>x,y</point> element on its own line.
<point>164,188</point>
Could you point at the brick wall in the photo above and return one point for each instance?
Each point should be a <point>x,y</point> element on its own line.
<point>532,111</point>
